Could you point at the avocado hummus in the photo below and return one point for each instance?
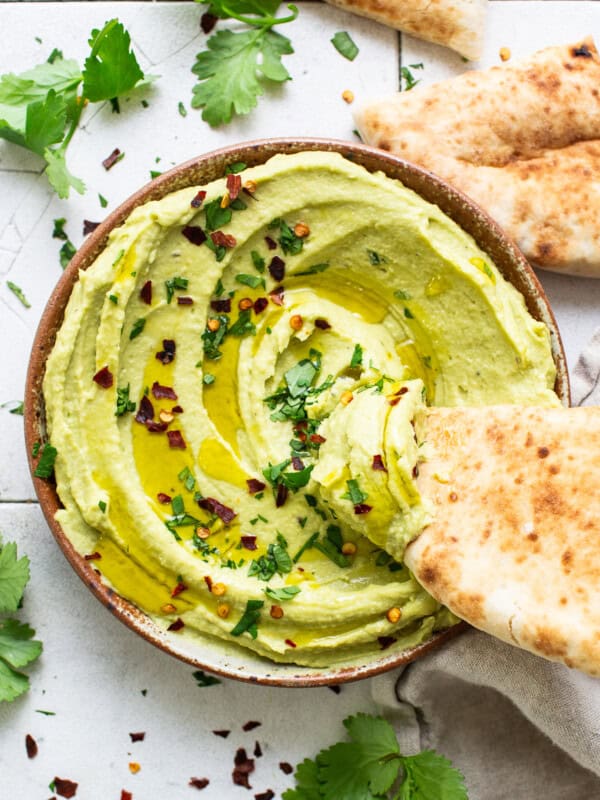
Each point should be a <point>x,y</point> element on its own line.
<point>203,366</point>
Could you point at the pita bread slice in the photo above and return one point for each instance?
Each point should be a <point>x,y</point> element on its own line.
<point>514,548</point>
<point>522,139</point>
<point>457,24</point>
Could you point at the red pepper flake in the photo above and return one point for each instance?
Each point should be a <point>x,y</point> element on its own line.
<point>145,412</point>
<point>181,587</point>
<point>146,293</point>
<point>281,496</point>
<point>223,512</point>
<point>207,23</point>
<point>378,464</point>
<point>290,643</point>
<point>255,485</point>
<point>393,401</point>
<point>89,227</point>
<point>31,746</point>
<point>251,725</point>
<point>177,410</point>
<point>93,556</point>
<point>104,378</point>
<point>167,354</point>
<point>64,787</point>
<point>268,795</point>
<point>137,737</point>
<point>157,427</point>
<point>198,199</point>
<point>362,508</point>
<point>257,750</point>
<point>208,582</point>
<point>222,733</point>
<point>276,296</point>
<point>194,234</point>
<point>221,305</point>
<point>415,471</point>
<point>125,795</point>
<point>199,783</point>
<point>176,440</point>
<point>221,239</point>
<point>322,324</point>
<point>271,243</point>
<point>260,304</point>
<point>163,498</point>
<point>286,767</point>
<point>112,159</point>
<point>166,392</point>
<point>277,268</point>
<point>386,641</point>
<point>185,301</point>
<point>249,542</point>
<point>297,463</point>
<point>243,767</point>
<point>316,438</point>
<point>177,625</point>
<point>234,185</point>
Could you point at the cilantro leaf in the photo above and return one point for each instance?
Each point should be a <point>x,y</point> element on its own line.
<point>16,647</point>
<point>249,619</point>
<point>282,594</point>
<point>14,574</point>
<point>45,466</point>
<point>62,75</point>
<point>12,684</point>
<point>18,293</point>
<point>431,776</point>
<point>58,174</point>
<point>202,679</point>
<point>307,782</point>
<point>111,69</point>
<point>345,45</point>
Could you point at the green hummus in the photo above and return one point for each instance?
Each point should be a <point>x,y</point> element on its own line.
<point>221,397</point>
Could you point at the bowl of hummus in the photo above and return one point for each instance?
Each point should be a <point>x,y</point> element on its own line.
<point>231,370</point>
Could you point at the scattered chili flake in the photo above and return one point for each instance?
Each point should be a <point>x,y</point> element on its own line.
<point>168,608</point>
<point>335,689</point>
<point>167,354</point>
<point>64,787</point>
<point>145,412</point>
<point>157,427</point>
<point>134,767</point>
<point>194,234</point>
<point>277,268</point>
<point>249,542</point>
<point>322,324</point>
<point>290,643</point>
<point>378,464</point>
<point>222,733</point>
<point>268,795</point>
<point>221,239</point>
<point>316,438</point>
<point>177,625</point>
<point>93,556</point>
<point>255,485</point>
<point>386,641</point>
<point>260,304</point>
<point>177,410</point>
<point>271,243</point>
<point>137,737</point>
<point>181,587</point>
<point>104,378</point>
<point>177,442</point>
<point>360,508</point>
<point>276,295</point>
<point>146,293</point>
<point>257,749</point>
<point>276,612</point>
<point>245,303</point>
<point>393,401</point>
<point>208,582</point>
<point>199,783</point>
<point>185,301</point>
<point>282,495</point>
<point>31,746</point>
<point>234,185</point>
<point>160,391</point>
<point>250,725</point>
<point>89,227</point>
<point>221,306</point>
<point>224,513</point>
<point>415,471</point>
<point>126,795</point>
<point>297,463</point>
<point>285,766</point>
<point>301,230</point>
<point>208,22</point>
<point>296,322</point>
<point>198,199</point>
<point>112,159</point>
<point>243,767</point>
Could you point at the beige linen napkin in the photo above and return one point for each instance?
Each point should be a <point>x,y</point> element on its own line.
<point>518,727</point>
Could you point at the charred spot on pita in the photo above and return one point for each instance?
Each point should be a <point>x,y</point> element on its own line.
<point>582,51</point>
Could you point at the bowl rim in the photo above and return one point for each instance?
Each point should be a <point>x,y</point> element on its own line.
<point>452,201</point>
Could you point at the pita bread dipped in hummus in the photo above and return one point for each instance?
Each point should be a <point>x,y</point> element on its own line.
<point>198,362</point>
<point>522,139</point>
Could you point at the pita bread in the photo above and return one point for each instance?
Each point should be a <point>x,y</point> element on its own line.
<point>457,24</point>
<point>514,548</point>
<point>523,140</point>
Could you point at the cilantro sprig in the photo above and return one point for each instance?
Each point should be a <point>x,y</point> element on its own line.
<point>371,767</point>
<point>17,647</point>
<point>40,109</point>
<point>237,65</point>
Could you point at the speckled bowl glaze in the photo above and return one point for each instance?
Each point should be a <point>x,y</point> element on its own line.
<point>210,654</point>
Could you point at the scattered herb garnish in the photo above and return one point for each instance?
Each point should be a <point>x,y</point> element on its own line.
<point>17,408</point>
<point>315,269</point>
<point>371,767</point>
<point>16,646</point>
<point>202,679</point>
<point>175,284</point>
<point>216,215</point>
<point>282,594</point>
<point>243,325</point>
<point>375,258</point>
<point>18,293</point>
<point>45,466</point>
<point>235,168</point>
<point>276,560</point>
<point>124,404</point>
<point>357,357</point>
<point>288,241</point>
<point>407,79</point>
<point>137,328</point>
<point>40,109</point>
<point>253,281</point>
<point>249,620</point>
<point>237,66</point>
<point>102,200</point>
<point>258,261</point>
<point>344,44</point>
<point>213,338</point>
<point>354,493</point>
<point>182,109</point>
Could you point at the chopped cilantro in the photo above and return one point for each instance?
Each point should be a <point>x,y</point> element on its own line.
<point>288,241</point>
<point>188,480</point>
<point>307,544</point>
<point>66,253</point>
<point>124,404</point>
<point>175,284</point>
<point>102,506</point>
<point>45,466</point>
<point>177,506</point>
<point>58,232</point>
<point>357,357</point>
<point>253,281</point>
<point>137,327</point>
<point>216,216</point>
<point>235,167</point>
<point>343,43</point>
<point>408,313</point>
<point>102,200</point>
<point>258,261</point>
<point>276,560</point>
<point>316,268</point>
<point>17,408</point>
<point>208,379</point>
<point>182,109</point>
<point>375,258</point>
<point>249,620</point>
<point>282,594</point>
<point>354,493</point>
<point>114,299</point>
<point>202,679</point>
<point>213,339</point>
<point>243,324</point>
<point>219,288</point>
<point>408,80</point>
<point>18,293</point>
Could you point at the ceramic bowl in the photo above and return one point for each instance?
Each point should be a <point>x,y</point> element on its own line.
<point>212,655</point>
